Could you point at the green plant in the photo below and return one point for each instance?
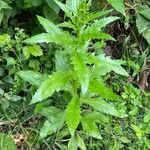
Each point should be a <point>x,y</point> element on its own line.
<point>79,72</point>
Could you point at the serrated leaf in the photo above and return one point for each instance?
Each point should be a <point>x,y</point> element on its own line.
<point>81,70</point>
<point>50,85</point>
<point>4,39</point>
<point>118,5</point>
<point>93,16</point>
<point>49,26</point>
<point>6,142</point>
<point>65,8</point>
<point>34,50</point>
<point>62,61</point>
<point>90,127</point>
<point>97,117</point>
<point>67,25</point>
<point>63,39</point>
<point>141,23</point>
<point>39,38</point>
<point>143,26</point>
<point>97,86</point>
<point>32,77</point>
<point>54,123</point>
<point>102,106</point>
<point>101,23</point>
<point>80,142</point>
<point>112,65</point>
<point>91,33</point>
<point>73,115</point>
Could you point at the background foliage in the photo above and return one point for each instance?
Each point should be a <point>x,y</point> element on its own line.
<point>74,74</point>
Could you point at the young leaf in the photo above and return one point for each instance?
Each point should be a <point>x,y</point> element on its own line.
<point>118,5</point>
<point>81,71</point>
<point>34,50</point>
<point>73,115</point>
<point>32,77</point>
<point>52,84</point>
<point>97,86</point>
<point>49,26</point>
<point>90,127</point>
<point>102,106</point>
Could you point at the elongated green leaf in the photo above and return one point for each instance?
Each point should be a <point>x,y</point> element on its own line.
<point>32,77</point>
<point>143,25</point>
<point>63,38</point>
<point>103,106</point>
<point>49,26</point>
<point>73,4</point>
<point>40,38</point>
<point>145,11</point>
<point>112,65</point>
<point>49,86</point>
<point>62,61</point>
<point>53,5</point>
<point>1,16</point>
<point>118,5</point>
<point>81,143</point>
<point>97,117</point>
<point>67,25</point>
<point>6,142</point>
<point>81,71</point>
<point>93,33</point>
<point>73,115</point>
<point>65,8</point>
<point>96,15</point>
<point>72,145</point>
<point>3,5</point>
<point>54,123</point>
<point>101,23</point>
<point>97,86</point>
<point>90,127</point>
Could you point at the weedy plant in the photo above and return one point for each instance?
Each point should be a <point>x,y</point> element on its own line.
<point>80,71</point>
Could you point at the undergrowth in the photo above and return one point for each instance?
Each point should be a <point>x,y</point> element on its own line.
<point>74,75</point>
